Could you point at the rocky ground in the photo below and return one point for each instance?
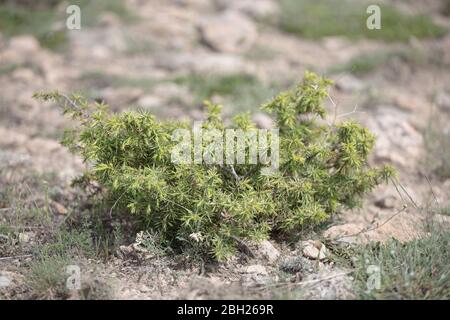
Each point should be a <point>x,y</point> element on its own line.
<point>167,60</point>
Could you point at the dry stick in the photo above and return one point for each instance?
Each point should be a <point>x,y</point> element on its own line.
<point>16,257</point>
<point>245,246</point>
<point>74,105</point>
<point>179,205</point>
<point>288,284</point>
<point>409,196</point>
<point>398,191</point>
<point>234,173</point>
<point>432,191</point>
<point>372,227</point>
<point>70,101</point>
<point>405,191</point>
<point>355,110</point>
<point>335,106</point>
<point>26,227</point>
<point>114,205</point>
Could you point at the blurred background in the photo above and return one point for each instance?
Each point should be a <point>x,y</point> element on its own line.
<point>167,56</point>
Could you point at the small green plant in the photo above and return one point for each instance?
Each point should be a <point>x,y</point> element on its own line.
<point>47,271</point>
<point>69,243</point>
<point>47,276</point>
<point>413,270</point>
<point>210,208</point>
<point>445,210</point>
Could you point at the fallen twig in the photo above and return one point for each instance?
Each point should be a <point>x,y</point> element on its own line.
<point>432,191</point>
<point>372,226</point>
<point>16,257</point>
<point>302,283</point>
<point>244,246</point>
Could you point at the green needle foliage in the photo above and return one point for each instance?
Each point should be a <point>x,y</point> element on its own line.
<point>211,208</point>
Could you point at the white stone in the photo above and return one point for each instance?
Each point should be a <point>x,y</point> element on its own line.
<point>4,282</point>
<point>267,249</point>
<point>314,249</point>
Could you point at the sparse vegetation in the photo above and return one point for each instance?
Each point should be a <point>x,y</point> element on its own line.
<point>368,62</point>
<point>47,277</point>
<point>413,270</point>
<point>6,69</point>
<point>69,243</point>
<point>445,210</point>
<point>240,91</point>
<point>15,19</point>
<point>321,18</point>
<point>47,270</point>
<point>40,18</point>
<point>100,80</point>
<point>437,144</point>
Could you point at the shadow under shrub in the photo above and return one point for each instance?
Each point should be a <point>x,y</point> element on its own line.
<point>210,208</point>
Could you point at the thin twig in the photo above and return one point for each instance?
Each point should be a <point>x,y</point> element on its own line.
<point>355,110</point>
<point>232,171</point>
<point>302,283</point>
<point>70,101</point>
<point>432,191</point>
<point>114,205</point>
<point>398,191</point>
<point>372,226</point>
<point>245,246</point>
<point>16,257</point>
<point>409,196</point>
<point>335,106</point>
<point>26,227</point>
<point>74,105</point>
<point>179,205</point>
